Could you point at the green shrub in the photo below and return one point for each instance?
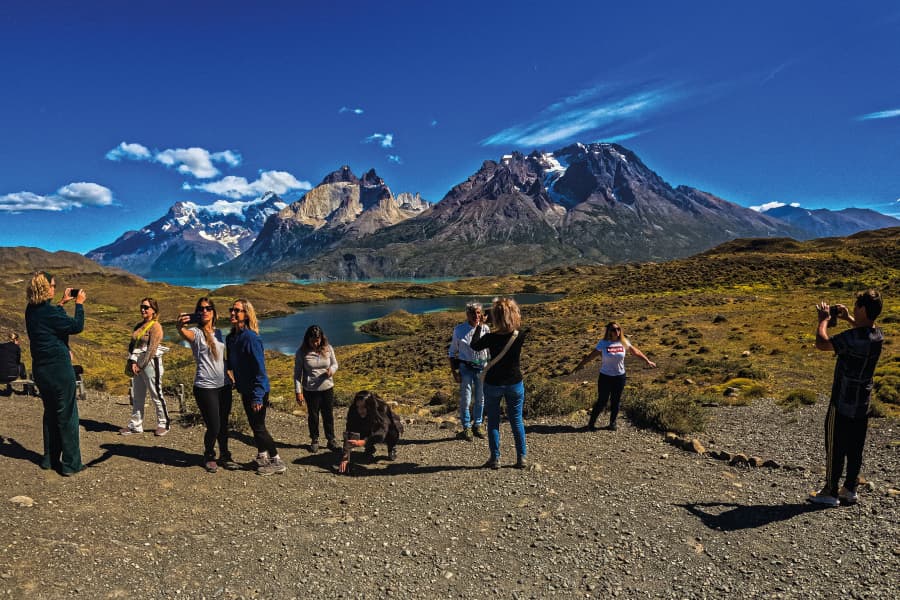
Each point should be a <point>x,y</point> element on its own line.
<point>550,398</point>
<point>663,409</point>
<point>798,397</point>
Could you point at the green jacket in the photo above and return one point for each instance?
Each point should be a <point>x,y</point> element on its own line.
<point>49,328</point>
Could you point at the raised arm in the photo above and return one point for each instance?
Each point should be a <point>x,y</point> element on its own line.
<point>634,351</point>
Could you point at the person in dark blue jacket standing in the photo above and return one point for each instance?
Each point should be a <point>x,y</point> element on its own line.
<point>246,363</point>
<point>49,328</point>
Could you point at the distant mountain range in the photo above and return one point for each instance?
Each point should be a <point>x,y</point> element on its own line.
<point>582,204</point>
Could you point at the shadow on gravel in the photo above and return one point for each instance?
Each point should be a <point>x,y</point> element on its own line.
<point>248,440</point>
<point>362,466</point>
<point>409,442</point>
<point>551,429</point>
<point>741,516</point>
<point>10,448</point>
<point>152,454</point>
<point>92,425</point>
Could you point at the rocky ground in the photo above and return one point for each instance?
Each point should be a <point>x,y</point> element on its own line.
<point>598,514</point>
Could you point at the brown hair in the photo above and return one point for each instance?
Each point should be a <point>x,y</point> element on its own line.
<point>207,333</point>
<point>38,289</point>
<point>505,315</point>
<point>871,301</point>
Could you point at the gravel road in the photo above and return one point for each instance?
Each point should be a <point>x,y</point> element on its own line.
<point>598,514</point>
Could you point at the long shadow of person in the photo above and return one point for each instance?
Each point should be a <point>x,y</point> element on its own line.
<point>248,440</point>
<point>743,516</point>
<point>422,442</point>
<point>92,425</point>
<point>551,429</point>
<point>10,448</point>
<point>366,466</point>
<point>152,454</point>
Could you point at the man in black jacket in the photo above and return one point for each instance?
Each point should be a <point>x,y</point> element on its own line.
<point>11,367</point>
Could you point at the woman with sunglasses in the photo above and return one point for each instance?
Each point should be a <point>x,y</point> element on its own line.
<point>611,381</point>
<point>146,369</point>
<point>314,368</point>
<point>212,389</point>
<point>246,362</point>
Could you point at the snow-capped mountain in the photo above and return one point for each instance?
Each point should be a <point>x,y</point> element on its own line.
<point>190,237</point>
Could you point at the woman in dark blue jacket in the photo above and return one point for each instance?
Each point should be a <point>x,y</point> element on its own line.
<point>246,363</point>
<point>49,328</point>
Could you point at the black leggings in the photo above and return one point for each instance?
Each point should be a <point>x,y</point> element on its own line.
<point>845,439</point>
<point>215,407</point>
<point>609,390</point>
<point>257,420</point>
<point>320,402</point>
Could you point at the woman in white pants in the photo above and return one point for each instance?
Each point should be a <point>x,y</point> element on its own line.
<point>145,361</point>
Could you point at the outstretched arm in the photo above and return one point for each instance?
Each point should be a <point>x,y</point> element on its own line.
<point>634,350</point>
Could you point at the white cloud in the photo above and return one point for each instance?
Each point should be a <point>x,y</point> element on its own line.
<point>884,114</point>
<point>434,122</point>
<point>73,195</point>
<point>188,161</point>
<point>129,151</point>
<point>385,139</point>
<point>238,187</point>
<point>770,205</point>
<point>355,111</point>
<point>600,108</point>
<point>395,159</point>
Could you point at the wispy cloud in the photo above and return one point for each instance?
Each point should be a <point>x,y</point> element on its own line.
<point>386,140</point>
<point>884,114</point>
<point>74,195</point>
<point>279,182</point>
<point>433,123</point>
<point>194,161</point>
<point>612,139</point>
<point>770,205</point>
<point>355,111</point>
<point>605,109</point>
<point>395,159</point>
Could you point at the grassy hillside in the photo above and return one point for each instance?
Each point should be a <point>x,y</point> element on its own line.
<point>741,311</point>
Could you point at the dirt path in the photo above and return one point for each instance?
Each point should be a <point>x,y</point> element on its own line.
<point>599,514</point>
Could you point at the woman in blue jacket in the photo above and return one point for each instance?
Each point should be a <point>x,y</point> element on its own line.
<point>246,363</point>
<point>49,328</point>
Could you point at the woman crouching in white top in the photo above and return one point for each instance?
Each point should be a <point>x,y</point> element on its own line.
<point>611,382</point>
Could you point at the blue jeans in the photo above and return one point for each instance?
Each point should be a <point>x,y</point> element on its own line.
<point>470,385</point>
<point>515,399</point>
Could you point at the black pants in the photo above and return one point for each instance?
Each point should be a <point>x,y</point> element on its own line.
<point>844,441</point>
<point>320,402</point>
<point>215,407</point>
<point>609,391</point>
<point>257,420</point>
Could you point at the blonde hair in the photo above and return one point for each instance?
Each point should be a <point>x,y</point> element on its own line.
<point>505,315</point>
<point>608,334</point>
<point>38,290</point>
<point>250,319</point>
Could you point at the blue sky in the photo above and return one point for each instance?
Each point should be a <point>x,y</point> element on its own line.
<point>112,111</point>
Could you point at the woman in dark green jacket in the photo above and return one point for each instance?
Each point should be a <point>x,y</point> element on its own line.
<point>49,328</point>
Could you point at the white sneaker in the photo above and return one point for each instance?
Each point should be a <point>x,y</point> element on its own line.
<point>846,496</point>
<point>824,498</point>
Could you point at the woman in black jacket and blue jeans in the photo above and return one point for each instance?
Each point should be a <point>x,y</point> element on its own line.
<point>503,377</point>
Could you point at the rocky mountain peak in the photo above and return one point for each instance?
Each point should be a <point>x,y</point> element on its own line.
<point>342,175</point>
<point>371,179</point>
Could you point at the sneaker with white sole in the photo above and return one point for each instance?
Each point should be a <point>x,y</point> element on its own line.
<point>848,497</point>
<point>130,431</point>
<point>824,498</point>
<point>275,467</point>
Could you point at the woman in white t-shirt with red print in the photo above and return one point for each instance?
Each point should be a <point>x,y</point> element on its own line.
<point>612,349</point>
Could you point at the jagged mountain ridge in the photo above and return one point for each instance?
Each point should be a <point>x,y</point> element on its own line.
<point>343,207</point>
<point>581,204</point>
<point>189,238</point>
<point>832,223</point>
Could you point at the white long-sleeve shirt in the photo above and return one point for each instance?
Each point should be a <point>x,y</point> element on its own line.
<point>460,348</point>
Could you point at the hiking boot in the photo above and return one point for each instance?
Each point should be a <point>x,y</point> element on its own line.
<point>275,467</point>
<point>161,431</point>
<point>478,431</point>
<point>465,434</point>
<point>522,462</point>
<point>824,498</point>
<point>612,426</point>
<point>228,464</point>
<point>847,496</point>
<point>590,427</point>
<point>210,466</point>
<point>129,431</point>
<point>492,463</point>
<point>314,446</point>
<point>369,451</point>
<point>392,454</point>
<point>333,446</point>
<point>261,460</point>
